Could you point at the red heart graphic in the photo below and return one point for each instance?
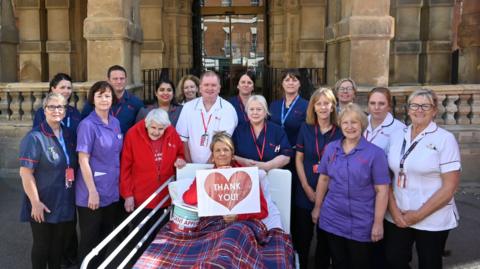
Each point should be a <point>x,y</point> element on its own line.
<point>228,193</point>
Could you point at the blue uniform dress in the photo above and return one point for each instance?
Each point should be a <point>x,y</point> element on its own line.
<point>239,108</point>
<point>311,142</point>
<point>292,118</point>
<point>125,110</point>
<point>272,140</point>
<point>71,120</point>
<point>42,151</point>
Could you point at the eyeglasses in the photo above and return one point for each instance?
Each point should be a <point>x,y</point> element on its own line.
<point>345,89</point>
<point>52,108</point>
<point>415,107</point>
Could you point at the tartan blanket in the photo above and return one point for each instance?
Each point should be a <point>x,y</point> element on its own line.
<point>242,244</point>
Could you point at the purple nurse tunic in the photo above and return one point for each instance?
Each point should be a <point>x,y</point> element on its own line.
<point>349,206</point>
<point>103,143</point>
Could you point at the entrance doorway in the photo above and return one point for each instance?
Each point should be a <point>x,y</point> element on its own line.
<point>233,40</point>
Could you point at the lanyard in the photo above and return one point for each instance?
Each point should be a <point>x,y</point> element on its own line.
<point>285,115</point>
<point>332,132</point>
<point>64,147</point>
<point>119,104</point>
<point>205,126</point>
<point>242,108</point>
<point>405,154</point>
<point>260,153</point>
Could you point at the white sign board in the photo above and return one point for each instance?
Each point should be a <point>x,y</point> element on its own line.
<point>228,191</point>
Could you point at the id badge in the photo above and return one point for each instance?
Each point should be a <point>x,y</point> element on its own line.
<point>315,168</point>
<point>69,177</point>
<point>204,140</point>
<point>402,180</point>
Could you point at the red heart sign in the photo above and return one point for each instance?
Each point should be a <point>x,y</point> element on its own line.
<point>228,193</point>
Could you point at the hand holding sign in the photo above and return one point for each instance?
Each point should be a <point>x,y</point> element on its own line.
<point>228,191</point>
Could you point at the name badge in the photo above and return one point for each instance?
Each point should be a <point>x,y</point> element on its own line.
<point>315,168</point>
<point>69,177</point>
<point>204,140</point>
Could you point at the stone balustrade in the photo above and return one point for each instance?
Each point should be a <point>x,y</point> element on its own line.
<point>19,101</point>
<point>458,104</point>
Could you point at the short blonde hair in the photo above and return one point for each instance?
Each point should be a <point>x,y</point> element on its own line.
<point>342,80</point>
<point>354,109</point>
<point>311,115</point>
<point>54,96</point>
<point>223,137</point>
<point>261,100</point>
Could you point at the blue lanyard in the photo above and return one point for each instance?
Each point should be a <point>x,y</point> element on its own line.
<point>284,116</point>
<point>64,147</point>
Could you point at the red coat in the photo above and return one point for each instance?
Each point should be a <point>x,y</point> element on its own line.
<point>138,171</point>
<point>190,197</point>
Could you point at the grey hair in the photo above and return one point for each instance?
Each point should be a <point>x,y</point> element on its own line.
<point>157,115</point>
<point>342,80</point>
<point>357,111</point>
<point>54,96</point>
<point>261,100</point>
<point>427,93</point>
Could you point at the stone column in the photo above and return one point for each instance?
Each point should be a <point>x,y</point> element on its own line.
<point>32,58</point>
<point>152,51</point>
<point>406,46</point>
<point>297,33</point>
<point>437,42</point>
<point>8,43</point>
<point>469,42</point>
<point>359,41</point>
<point>177,33</point>
<point>311,46</point>
<point>110,31</point>
<point>58,45</point>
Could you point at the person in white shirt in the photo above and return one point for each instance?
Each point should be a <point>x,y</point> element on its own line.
<point>425,160</point>
<point>202,117</point>
<point>381,124</point>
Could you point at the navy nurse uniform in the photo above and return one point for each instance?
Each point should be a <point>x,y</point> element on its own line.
<point>239,108</point>
<point>292,117</point>
<point>42,151</point>
<point>275,142</point>
<point>312,143</point>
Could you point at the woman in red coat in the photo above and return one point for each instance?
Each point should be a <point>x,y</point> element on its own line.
<point>151,152</point>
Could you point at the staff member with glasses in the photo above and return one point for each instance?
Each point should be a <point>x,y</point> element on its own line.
<point>345,90</point>
<point>425,160</point>
<point>47,163</point>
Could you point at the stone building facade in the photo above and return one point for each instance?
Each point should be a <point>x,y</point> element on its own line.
<point>403,44</point>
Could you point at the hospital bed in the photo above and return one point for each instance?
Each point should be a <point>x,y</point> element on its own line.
<point>280,191</point>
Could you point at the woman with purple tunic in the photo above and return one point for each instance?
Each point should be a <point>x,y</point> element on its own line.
<point>99,143</point>
<point>355,173</point>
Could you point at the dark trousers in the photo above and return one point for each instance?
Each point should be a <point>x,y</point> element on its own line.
<point>302,238</point>
<point>399,243</point>
<point>48,240</point>
<point>349,254</point>
<point>95,225</point>
<point>71,243</point>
